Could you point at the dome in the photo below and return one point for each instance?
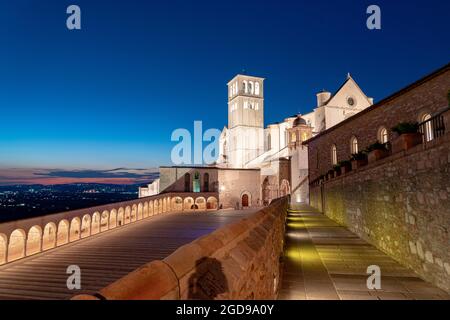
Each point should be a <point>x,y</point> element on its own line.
<point>299,121</point>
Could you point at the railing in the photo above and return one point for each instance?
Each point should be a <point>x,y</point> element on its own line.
<point>434,127</point>
<point>26,237</point>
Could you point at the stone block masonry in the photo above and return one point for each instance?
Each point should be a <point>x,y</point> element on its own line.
<point>400,204</point>
<point>238,261</point>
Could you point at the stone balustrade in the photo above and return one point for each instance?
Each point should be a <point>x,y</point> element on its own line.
<point>26,237</point>
<point>238,261</point>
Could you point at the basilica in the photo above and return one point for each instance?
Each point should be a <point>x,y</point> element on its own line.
<point>257,164</point>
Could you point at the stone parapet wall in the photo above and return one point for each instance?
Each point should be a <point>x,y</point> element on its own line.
<point>22,238</point>
<point>238,261</point>
<point>400,204</point>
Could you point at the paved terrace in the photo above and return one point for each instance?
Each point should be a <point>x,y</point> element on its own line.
<point>326,261</point>
<point>108,256</point>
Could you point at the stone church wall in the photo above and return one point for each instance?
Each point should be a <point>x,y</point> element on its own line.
<point>234,183</point>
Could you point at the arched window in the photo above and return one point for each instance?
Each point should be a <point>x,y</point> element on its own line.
<point>250,87</point>
<point>187,182</point>
<point>428,134</point>
<point>244,86</point>
<point>293,137</point>
<point>334,159</point>
<point>304,136</point>
<point>206,182</point>
<point>257,88</point>
<point>353,145</point>
<point>269,141</point>
<point>383,135</point>
<point>196,182</point>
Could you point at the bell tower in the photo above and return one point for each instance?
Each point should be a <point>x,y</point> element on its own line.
<point>245,119</point>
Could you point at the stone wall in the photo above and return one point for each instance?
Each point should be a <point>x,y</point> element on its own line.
<point>172,178</point>
<point>230,184</point>
<point>237,261</point>
<point>400,204</point>
<point>234,183</point>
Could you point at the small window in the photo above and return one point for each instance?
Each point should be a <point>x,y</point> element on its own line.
<point>293,137</point>
<point>353,145</point>
<point>334,159</point>
<point>257,88</point>
<point>351,101</point>
<point>196,182</point>
<point>383,135</point>
<point>304,136</point>
<point>206,182</point>
<point>428,134</point>
<point>187,182</point>
<point>244,86</point>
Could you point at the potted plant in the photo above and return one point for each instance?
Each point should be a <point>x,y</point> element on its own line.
<point>331,174</point>
<point>408,136</point>
<point>337,170</point>
<point>321,179</point>
<point>346,166</point>
<point>358,160</point>
<point>377,151</point>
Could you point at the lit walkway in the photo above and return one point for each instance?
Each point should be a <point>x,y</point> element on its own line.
<point>108,256</point>
<point>326,261</point>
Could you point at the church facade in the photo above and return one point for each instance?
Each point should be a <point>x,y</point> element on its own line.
<point>257,164</point>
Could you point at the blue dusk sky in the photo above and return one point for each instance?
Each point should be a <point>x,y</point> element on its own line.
<point>108,96</point>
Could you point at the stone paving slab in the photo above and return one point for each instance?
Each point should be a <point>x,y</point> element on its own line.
<point>324,260</point>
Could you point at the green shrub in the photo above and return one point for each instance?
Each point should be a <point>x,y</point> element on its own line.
<point>376,146</point>
<point>362,155</point>
<point>406,127</point>
<point>337,167</point>
<point>345,163</point>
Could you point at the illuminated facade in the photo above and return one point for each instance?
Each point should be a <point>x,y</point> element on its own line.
<point>275,151</point>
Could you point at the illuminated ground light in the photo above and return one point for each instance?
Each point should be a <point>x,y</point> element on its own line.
<point>293,254</point>
<point>297,236</point>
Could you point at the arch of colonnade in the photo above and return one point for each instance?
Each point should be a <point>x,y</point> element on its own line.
<point>22,238</point>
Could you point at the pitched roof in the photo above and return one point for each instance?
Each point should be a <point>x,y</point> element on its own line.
<point>348,79</point>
